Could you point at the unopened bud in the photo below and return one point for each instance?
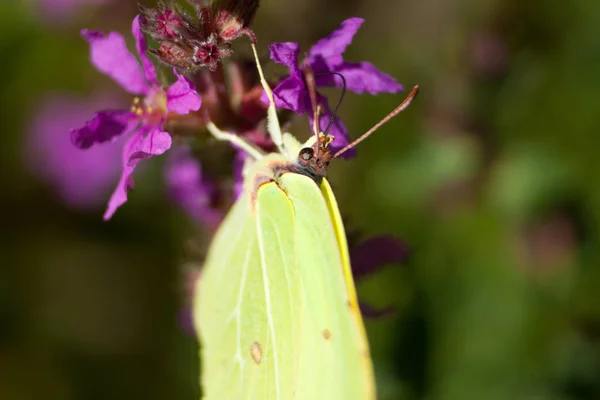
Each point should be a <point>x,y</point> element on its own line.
<point>189,45</point>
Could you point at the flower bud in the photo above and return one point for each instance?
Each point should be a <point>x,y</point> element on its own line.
<point>192,43</point>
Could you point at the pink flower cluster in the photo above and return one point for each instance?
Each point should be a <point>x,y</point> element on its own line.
<point>159,111</point>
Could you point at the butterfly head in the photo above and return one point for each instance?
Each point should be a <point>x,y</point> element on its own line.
<point>314,157</point>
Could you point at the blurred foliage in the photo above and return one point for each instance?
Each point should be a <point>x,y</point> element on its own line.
<point>491,178</point>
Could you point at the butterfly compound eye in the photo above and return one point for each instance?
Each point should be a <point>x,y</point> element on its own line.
<point>306,154</point>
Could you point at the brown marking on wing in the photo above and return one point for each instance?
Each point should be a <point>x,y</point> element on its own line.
<point>256,352</point>
<point>270,173</point>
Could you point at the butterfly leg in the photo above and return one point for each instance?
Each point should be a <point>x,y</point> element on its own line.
<point>235,140</point>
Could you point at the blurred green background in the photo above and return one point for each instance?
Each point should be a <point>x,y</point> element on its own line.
<point>491,178</point>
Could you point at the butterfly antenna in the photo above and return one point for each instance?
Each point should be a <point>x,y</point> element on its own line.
<point>391,115</point>
<point>337,105</point>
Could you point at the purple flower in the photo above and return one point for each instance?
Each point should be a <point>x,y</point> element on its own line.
<point>81,179</point>
<point>189,189</point>
<point>326,57</point>
<point>375,253</point>
<point>371,256</point>
<point>144,122</point>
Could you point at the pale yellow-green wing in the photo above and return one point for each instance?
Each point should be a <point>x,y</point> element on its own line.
<point>247,302</point>
<point>334,359</point>
<point>276,308</point>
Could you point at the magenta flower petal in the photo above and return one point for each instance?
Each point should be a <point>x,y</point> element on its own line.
<point>155,143</point>
<point>182,96</point>
<point>82,179</point>
<point>143,144</point>
<point>332,46</point>
<point>375,253</point>
<point>365,77</point>
<point>142,49</point>
<point>291,94</point>
<point>119,196</point>
<point>105,126</point>
<point>285,53</point>
<point>109,55</point>
<point>189,189</point>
